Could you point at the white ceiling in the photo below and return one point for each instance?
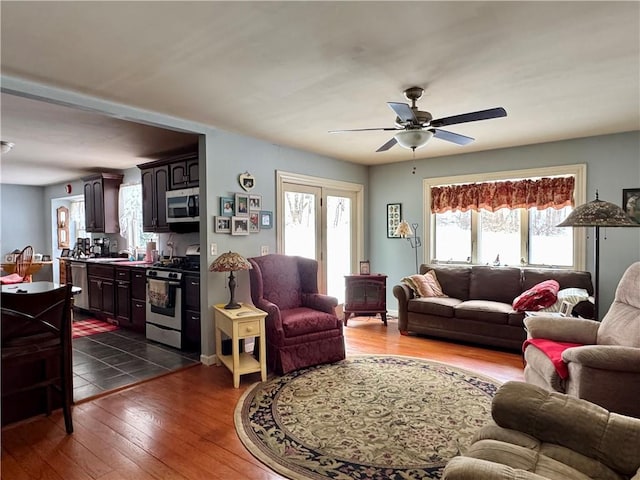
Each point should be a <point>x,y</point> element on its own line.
<point>288,72</point>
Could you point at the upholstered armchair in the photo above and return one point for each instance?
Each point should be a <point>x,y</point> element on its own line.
<point>302,326</point>
<point>536,434</point>
<point>596,361</point>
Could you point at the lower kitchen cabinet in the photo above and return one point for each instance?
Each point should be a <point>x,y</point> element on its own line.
<point>138,299</point>
<point>191,314</point>
<point>123,296</point>
<point>101,290</point>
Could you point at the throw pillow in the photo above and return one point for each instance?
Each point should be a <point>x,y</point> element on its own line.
<point>542,295</point>
<point>571,295</point>
<point>408,281</point>
<point>427,285</point>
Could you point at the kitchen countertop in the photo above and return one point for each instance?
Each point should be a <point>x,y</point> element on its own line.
<point>116,261</point>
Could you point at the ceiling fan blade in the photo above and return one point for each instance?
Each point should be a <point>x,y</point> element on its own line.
<point>403,111</point>
<point>363,130</point>
<point>452,137</point>
<point>387,145</point>
<point>469,117</point>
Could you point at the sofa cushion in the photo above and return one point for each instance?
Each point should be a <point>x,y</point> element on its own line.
<point>440,306</point>
<point>537,297</point>
<point>499,284</point>
<point>453,279</point>
<point>484,311</point>
<point>426,285</point>
<point>565,278</point>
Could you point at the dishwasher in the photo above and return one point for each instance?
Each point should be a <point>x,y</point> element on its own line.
<point>79,279</point>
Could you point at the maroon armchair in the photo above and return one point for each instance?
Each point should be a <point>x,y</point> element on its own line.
<point>302,326</point>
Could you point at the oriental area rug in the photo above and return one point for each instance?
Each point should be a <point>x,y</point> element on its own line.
<point>366,417</point>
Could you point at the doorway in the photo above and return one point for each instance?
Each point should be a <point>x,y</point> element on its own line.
<point>321,219</point>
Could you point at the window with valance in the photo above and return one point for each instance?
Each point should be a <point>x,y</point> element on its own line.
<point>542,193</point>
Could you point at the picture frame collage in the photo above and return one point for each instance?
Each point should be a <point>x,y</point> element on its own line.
<point>242,214</point>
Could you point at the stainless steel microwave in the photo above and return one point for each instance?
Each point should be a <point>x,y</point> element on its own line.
<point>183,206</point>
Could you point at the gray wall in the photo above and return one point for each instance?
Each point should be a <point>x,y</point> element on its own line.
<point>23,222</point>
<point>613,163</point>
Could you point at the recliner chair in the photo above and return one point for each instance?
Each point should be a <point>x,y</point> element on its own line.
<point>605,369</point>
<point>301,324</point>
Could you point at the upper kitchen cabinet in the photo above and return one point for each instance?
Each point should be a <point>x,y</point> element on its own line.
<point>174,172</point>
<point>184,172</point>
<point>155,183</point>
<point>101,202</point>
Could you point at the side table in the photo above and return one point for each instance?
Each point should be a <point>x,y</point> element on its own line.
<point>365,294</point>
<point>240,323</point>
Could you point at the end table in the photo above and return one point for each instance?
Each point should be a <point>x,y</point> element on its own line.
<point>240,323</point>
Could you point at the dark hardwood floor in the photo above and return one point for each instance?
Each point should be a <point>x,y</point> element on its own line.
<point>180,426</point>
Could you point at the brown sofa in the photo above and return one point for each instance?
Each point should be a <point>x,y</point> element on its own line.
<point>478,304</point>
<point>539,435</point>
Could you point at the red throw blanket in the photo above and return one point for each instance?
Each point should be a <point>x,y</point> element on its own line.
<point>553,350</point>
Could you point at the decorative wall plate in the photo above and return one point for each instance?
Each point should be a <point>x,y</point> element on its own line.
<point>247,181</point>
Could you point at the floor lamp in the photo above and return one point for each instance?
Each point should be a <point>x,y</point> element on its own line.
<point>411,234</point>
<point>598,213</point>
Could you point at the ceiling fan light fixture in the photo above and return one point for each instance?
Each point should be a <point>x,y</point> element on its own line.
<point>412,139</point>
<point>6,146</point>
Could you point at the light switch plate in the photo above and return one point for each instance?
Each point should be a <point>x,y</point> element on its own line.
<point>214,249</point>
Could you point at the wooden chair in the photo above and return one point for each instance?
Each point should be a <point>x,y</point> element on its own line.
<point>23,265</point>
<point>36,347</point>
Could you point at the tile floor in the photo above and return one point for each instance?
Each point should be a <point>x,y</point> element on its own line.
<point>111,360</point>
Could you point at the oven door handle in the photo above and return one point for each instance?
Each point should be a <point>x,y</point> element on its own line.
<point>177,284</point>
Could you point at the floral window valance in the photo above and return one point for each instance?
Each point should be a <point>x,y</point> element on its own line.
<point>542,193</point>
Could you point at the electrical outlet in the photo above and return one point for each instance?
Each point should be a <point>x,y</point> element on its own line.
<point>264,250</point>
<point>214,249</point>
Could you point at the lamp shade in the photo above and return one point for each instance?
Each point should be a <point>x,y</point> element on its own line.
<point>598,213</point>
<point>229,262</point>
<point>403,230</point>
<point>413,139</point>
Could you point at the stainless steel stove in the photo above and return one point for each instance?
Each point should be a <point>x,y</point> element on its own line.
<point>164,306</point>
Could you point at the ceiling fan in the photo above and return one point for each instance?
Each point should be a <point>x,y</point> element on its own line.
<point>415,127</point>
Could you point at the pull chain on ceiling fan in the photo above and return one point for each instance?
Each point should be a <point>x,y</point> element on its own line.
<point>416,127</point>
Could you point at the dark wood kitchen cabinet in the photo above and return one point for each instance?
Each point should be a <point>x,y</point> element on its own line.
<point>183,172</point>
<point>138,299</point>
<point>191,313</point>
<point>365,294</point>
<point>155,183</point>
<point>101,202</point>
<point>123,296</point>
<point>102,291</point>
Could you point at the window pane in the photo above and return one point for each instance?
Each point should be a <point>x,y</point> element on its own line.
<point>453,236</point>
<point>499,237</point>
<point>338,244</point>
<point>300,224</point>
<point>548,244</point>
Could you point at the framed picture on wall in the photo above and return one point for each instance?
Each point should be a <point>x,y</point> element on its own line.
<point>242,205</point>
<point>227,206</point>
<point>222,224</point>
<point>254,222</point>
<point>394,216</point>
<point>266,219</point>
<point>255,202</point>
<point>631,202</point>
<point>239,225</point>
